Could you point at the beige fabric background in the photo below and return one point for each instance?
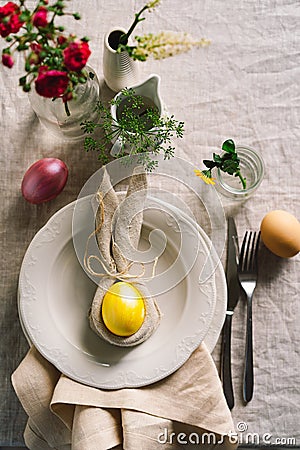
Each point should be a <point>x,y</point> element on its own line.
<point>245,86</point>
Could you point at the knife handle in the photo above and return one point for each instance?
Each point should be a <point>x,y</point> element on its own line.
<point>226,362</point>
<point>248,374</point>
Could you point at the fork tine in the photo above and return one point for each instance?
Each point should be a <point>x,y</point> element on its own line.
<point>255,246</point>
<point>242,258</point>
<point>249,251</point>
<point>246,256</point>
<point>247,265</point>
<point>254,251</point>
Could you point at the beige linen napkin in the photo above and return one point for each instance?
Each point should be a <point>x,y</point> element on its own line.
<point>184,410</point>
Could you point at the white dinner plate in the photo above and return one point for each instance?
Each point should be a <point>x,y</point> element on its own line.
<point>55,295</point>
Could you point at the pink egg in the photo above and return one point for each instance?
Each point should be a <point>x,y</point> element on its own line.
<point>44,180</point>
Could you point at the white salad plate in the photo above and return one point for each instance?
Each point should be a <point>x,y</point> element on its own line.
<point>55,295</point>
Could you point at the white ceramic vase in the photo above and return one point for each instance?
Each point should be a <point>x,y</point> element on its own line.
<point>119,69</point>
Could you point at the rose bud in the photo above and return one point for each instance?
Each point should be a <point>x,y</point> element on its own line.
<point>40,17</point>
<point>61,40</point>
<point>35,47</point>
<point>7,60</point>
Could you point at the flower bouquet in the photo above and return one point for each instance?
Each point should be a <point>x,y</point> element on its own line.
<point>54,61</point>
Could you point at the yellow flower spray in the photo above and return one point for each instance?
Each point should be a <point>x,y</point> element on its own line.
<point>161,45</point>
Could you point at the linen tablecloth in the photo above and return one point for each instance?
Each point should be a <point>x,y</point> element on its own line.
<point>244,86</point>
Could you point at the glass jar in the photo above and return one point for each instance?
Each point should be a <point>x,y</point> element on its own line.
<point>251,168</point>
<point>53,115</point>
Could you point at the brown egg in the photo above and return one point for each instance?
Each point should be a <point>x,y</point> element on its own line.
<point>280,232</point>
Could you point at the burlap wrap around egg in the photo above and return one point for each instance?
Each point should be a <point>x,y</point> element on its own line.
<point>114,224</point>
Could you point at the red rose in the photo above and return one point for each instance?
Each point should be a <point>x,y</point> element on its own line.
<point>15,23</point>
<point>8,9</point>
<point>76,55</point>
<point>51,83</point>
<point>9,19</point>
<point>40,17</point>
<point>7,60</point>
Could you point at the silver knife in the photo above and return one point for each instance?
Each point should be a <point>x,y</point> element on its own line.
<point>233,290</point>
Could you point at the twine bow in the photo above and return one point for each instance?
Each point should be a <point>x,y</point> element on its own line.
<point>117,275</point>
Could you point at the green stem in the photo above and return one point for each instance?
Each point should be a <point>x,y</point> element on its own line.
<point>124,38</point>
<point>67,109</point>
<point>12,43</point>
<point>113,134</point>
<point>243,181</point>
<point>53,17</point>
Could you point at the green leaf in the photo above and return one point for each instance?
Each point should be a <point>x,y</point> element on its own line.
<point>29,27</point>
<point>27,66</point>
<point>228,146</point>
<point>217,158</point>
<point>88,126</point>
<point>22,47</point>
<point>22,81</point>
<point>90,144</point>
<point>230,167</point>
<point>26,87</point>
<point>33,37</point>
<point>209,164</point>
<point>24,16</point>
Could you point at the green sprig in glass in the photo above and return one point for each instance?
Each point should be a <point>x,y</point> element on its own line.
<point>228,162</point>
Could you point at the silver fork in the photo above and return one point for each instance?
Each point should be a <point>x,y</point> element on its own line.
<point>247,273</point>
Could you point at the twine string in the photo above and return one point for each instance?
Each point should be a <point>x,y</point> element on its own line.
<point>114,273</point>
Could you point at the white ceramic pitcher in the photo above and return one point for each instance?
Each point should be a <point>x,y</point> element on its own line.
<point>149,89</point>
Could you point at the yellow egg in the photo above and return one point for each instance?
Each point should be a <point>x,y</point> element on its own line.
<point>280,232</point>
<point>123,309</point>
